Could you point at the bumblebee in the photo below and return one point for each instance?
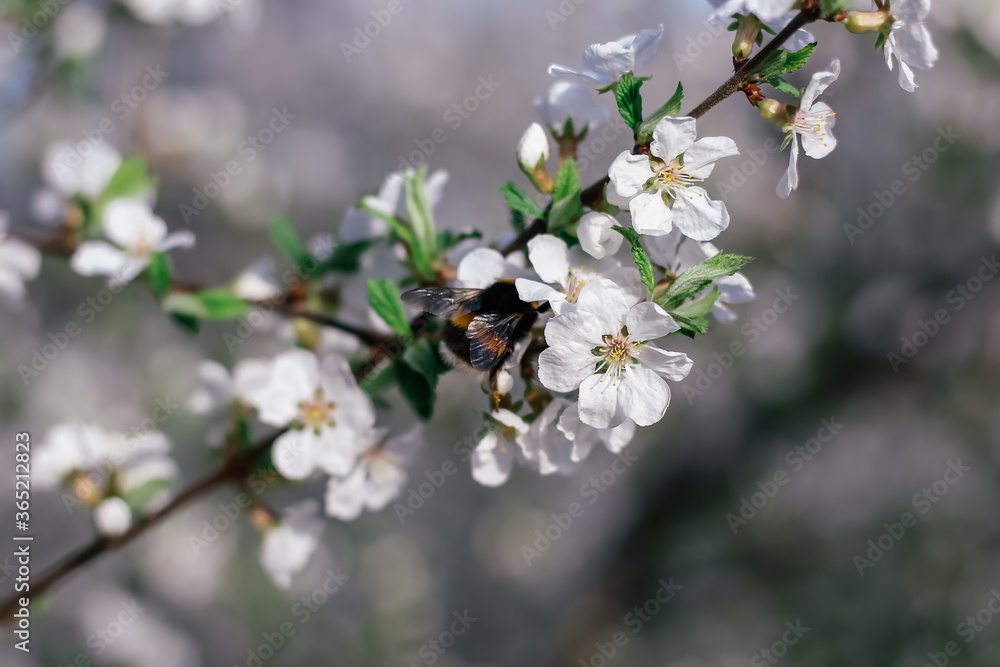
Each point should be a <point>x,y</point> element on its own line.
<point>482,326</point>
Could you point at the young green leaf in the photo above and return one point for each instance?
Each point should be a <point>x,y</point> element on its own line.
<point>567,180</point>
<point>418,207</point>
<point>418,370</point>
<point>131,179</point>
<point>159,274</point>
<point>519,201</point>
<point>672,107</point>
<point>566,207</point>
<point>139,497</point>
<point>638,256</point>
<point>383,295</point>
<point>346,258</point>
<point>784,62</point>
<point>211,304</point>
<point>287,238</point>
<point>629,99</point>
<point>698,277</point>
<point>699,307</point>
<point>782,85</point>
<point>796,60</point>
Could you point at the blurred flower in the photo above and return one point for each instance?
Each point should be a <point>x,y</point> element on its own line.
<point>189,12</point>
<point>571,101</point>
<point>218,389</point>
<point>484,266</point>
<point>569,271</point>
<point>493,457</point>
<point>324,407</point>
<point>75,171</point>
<point>131,225</point>
<point>909,41</point>
<point>584,436</point>
<point>596,235</point>
<point>256,283</point>
<point>676,253</point>
<point>544,446</point>
<point>79,31</point>
<point>659,188</point>
<point>113,517</point>
<point>378,477</point>
<point>19,262</point>
<point>605,63</point>
<point>602,348</point>
<point>359,225</point>
<point>767,11</point>
<point>287,546</point>
<point>814,122</point>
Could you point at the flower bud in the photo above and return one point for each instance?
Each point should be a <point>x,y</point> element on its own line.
<point>779,113</point>
<point>532,152</point>
<point>747,31</point>
<point>861,22</point>
<point>113,517</point>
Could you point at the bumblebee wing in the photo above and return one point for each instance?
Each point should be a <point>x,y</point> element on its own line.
<point>490,339</point>
<point>442,301</point>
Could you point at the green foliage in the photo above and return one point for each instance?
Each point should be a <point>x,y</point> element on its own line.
<point>644,134</point>
<point>131,179</point>
<point>829,7</point>
<point>287,238</point>
<point>693,315</point>
<point>210,304</point>
<point>698,277</point>
<point>346,258</point>
<point>566,207</point>
<point>158,272</point>
<point>638,256</point>
<point>518,200</point>
<point>784,62</point>
<point>383,295</point>
<point>418,371</point>
<point>140,497</point>
<point>785,87</point>
<point>629,100</point>
<point>424,249</point>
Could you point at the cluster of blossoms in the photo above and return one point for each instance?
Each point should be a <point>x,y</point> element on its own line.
<point>602,276</point>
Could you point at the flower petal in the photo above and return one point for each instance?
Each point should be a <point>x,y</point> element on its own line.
<point>131,224</point>
<point>95,258</point>
<point>597,238</point>
<point>599,401</point>
<point>674,365</point>
<point>492,460</point>
<point>673,136</point>
<point>700,158</point>
<point>629,174</point>
<point>790,180</point>
<point>647,321</point>
<point>293,454</point>
<point>604,300</point>
<point>181,239</point>
<point>819,82</point>
<point>532,290</point>
<point>643,396</point>
<point>650,214</point>
<point>699,217</point>
<point>549,257</point>
<point>565,367</point>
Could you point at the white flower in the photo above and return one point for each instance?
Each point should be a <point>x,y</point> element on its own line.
<point>19,262</point>
<point>113,517</point>
<point>78,31</point>
<point>584,437</point>
<point>596,235</point>
<point>814,123</point>
<point>602,347</point>
<point>484,266</point>
<point>545,446</point>
<point>533,149</point>
<point>909,41</point>
<point>767,11</point>
<point>569,271</point>
<point>86,172</point>
<point>256,283</point>
<point>660,188</point>
<point>136,231</point>
<point>493,457</point>
<point>604,63</point>
<point>359,225</point>
<point>218,389</point>
<point>571,101</point>
<point>190,12</point>
<point>325,407</point>
<point>378,477</point>
<point>677,254</point>
<point>287,547</point>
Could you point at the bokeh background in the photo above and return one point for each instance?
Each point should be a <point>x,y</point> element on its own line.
<point>666,517</point>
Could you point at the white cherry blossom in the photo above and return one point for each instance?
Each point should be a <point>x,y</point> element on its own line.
<point>909,41</point>
<point>768,11</point>
<point>533,149</point>
<point>135,232</point>
<point>813,122</point>
<point>256,282</point>
<point>323,405</point>
<point>84,169</point>
<point>661,189</point>
<point>360,225</point>
<point>113,516</point>
<point>603,348</point>
<point>571,100</point>
<point>568,271</point>
<point>597,236</point>
<point>218,389</point>
<point>604,63</point>
<point>287,546</point>
<point>19,263</point>
<point>493,458</point>
<point>584,436</point>
<point>377,478</point>
<point>545,447</point>
<point>677,254</point>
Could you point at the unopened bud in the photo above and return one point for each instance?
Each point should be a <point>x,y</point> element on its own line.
<point>861,22</point>
<point>532,152</point>
<point>779,113</point>
<point>747,32</point>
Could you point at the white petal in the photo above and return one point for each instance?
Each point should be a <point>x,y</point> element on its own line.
<point>663,250</point>
<point>617,438</point>
<point>405,445</point>
<point>287,547</point>
<point>345,498</point>
<point>608,61</point>
<point>599,401</point>
<point>675,365</point>
<point>532,290</point>
<point>216,388</point>
<point>565,367</point>
<point>643,395</point>
<point>131,224</point>
<point>673,136</point>
<point>574,327</point>
<point>913,45</point>
<point>335,449</point>
<point>20,258</point>
<point>629,174</point>
<point>605,301</point>
<point>699,217</point>
<point>911,10</point>
<point>113,517</point>
<point>481,268</point>
<point>596,235</point>
<point>94,258</point>
<point>182,239</point>
<point>735,289</point>
<point>819,82</point>
<point>293,454</point>
<point>644,47</point>
<point>647,321</point>
<point>533,147</point>
<point>700,158</point>
<point>492,460</point>
<point>584,77</point>
<point>549,257</point>
<point>790,181</point>
<point>650,214</point>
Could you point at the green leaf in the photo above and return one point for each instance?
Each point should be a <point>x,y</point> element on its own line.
<point>519,201</point>
<point>140,497</point>
<point>782,85</point>
<point>784,62</point>
<point>131,179</point>
<point>376,383</point>
<point>159,274</point>
<point>796,60</point>
<point>287,238</point>
<point>691,325</point>
<point>787,140</point>
<point>346,258</point>
<point>567,180</point>
<point>698,277</point>
<point>418,371</point>
<point>629,99</point>
<point>398,227</point>
<point>566,207</point>
<point>638,256</point>
<point>211,304</point>
<point>383,295</point>
<point>828,7</point>
<point>186,322</point>
<point>700,308</point>
<point>418,207</point>
<point>672,107</point>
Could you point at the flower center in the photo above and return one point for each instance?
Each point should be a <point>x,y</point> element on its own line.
<point>814,123</point>
<point>576,279</point>
<point>673,180</point>
<point>142,247</point>
<point>317,413</point>
<point>616,353</point>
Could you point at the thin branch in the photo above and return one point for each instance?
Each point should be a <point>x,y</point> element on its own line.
<point>368,337</point>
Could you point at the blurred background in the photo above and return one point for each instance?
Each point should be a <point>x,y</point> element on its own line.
<point>744,507</point>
